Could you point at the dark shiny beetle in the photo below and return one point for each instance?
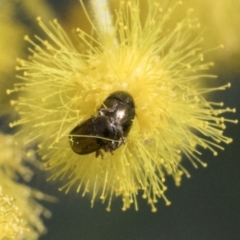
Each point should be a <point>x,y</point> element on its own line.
<point>108,130</point>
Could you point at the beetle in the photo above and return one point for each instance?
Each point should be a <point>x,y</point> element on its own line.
<point>107,130</point>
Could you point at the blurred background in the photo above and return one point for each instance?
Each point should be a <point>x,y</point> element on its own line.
<point>204,207</point>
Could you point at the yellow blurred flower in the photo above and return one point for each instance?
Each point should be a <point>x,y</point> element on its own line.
<point>10,46</point>
<point>11,222</point>
<point>161,68</point>
<point>10,37</point>
<point>20,212</point>
<point>221,19</point>
<point>12,30</point>
<point>11,159</point>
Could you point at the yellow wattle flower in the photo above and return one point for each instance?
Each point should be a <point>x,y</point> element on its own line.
<point>161,68</point>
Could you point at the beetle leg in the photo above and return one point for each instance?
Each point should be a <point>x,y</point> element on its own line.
<point>122,140</point>
<point>99,153</point>
<point>108,148</point>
